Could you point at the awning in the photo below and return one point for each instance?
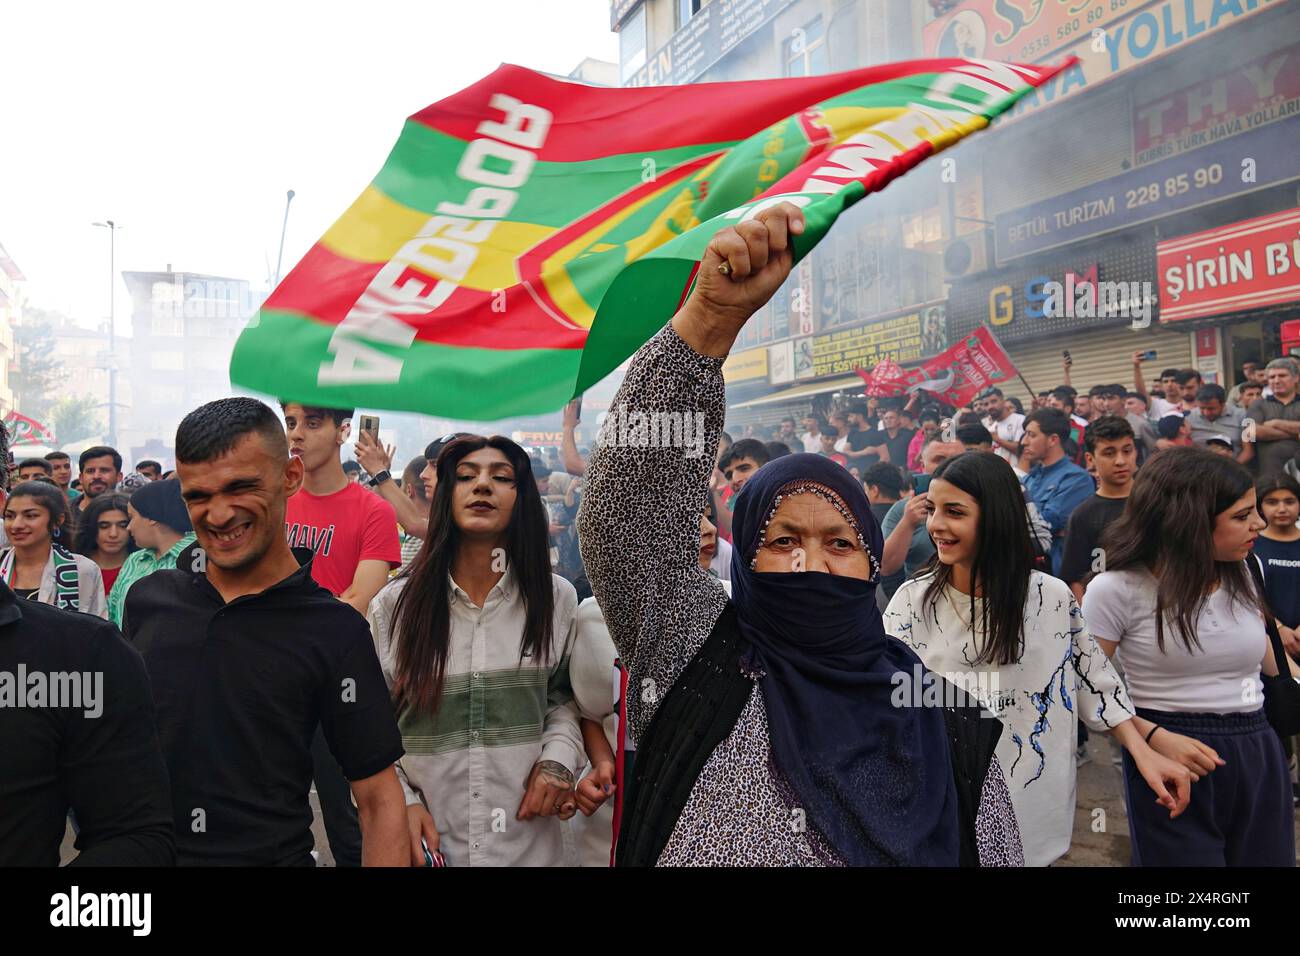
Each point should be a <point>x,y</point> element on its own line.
<point>805,391</point>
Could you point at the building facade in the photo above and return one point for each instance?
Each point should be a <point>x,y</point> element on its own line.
<point>1157,178</point>
<point>874,286</point>
<point>85,357</point>
<point>183,329</point>
<point>1173,134</point>
<point>11,311</point>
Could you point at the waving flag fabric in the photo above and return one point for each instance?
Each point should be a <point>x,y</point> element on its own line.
<point>528,234</point>
<point>27,431</point>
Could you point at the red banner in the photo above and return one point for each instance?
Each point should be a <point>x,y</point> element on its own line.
<point>1242,266</point>
<point>955,375</point>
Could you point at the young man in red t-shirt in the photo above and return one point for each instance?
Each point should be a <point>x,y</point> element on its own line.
<point>352,530</point>
<point>354,534</point>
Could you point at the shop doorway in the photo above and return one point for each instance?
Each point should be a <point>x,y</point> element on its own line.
<point>1259,340</point>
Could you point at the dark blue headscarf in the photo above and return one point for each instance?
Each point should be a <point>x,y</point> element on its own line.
<point>873,778</point>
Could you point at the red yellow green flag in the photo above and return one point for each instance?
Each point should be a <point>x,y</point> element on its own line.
<point>527,234</point>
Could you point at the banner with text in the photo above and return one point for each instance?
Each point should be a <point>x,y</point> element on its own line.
<point>956,375</point>
<point>1246,265</point>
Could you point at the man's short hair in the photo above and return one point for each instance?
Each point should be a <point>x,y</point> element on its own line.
<point>1106,428</point>
<point>58,456</point>
<point>214,429</point>
<point>930,414</point>
<point>1169,426</point>
<point>1051,421</point>
<point>1064,394</point>
<point>1097,391</point>
<point>1111,391</point>
<point>411,476</point>
<point>1169,373</point>
<point>829,431</point>
<point>1287,364</point>
<point>351,468</point>
<point>974,434</point>
<point>338,415</point>
<point>149,463</point>
<point>40,463</point>
<point>100,451</point>
<point>777,449</point>
<point>1140,397</point>
<point>1211,393</point>
<point>886,477</point>
<point>1186,375</point>
<point>745,448</point>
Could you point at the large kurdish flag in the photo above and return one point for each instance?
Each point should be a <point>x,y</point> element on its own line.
<point>528,234</point>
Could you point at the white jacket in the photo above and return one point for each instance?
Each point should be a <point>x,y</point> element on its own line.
<point>90,585</point>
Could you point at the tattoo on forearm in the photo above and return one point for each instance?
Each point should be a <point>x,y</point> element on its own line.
<point>559,774</point>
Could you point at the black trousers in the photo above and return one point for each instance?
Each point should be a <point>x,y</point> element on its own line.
<point>1241,814</point>
<point>335,795</point>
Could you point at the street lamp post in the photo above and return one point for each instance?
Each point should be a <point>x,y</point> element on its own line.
<point>284,228</point>
<point>112,228</point>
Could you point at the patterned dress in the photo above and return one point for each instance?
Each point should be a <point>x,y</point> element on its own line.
<point>639,528</point>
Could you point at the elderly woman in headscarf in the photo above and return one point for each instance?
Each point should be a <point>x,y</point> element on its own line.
<point>770,727</point>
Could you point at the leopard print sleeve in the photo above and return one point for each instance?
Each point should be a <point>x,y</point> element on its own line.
<point>997,835</point>
<point>639,524</point>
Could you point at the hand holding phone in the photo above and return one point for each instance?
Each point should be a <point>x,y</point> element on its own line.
<point>370,424</point>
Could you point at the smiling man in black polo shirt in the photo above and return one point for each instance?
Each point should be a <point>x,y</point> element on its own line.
<point>247,655</point>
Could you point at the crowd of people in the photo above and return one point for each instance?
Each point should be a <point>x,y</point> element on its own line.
<point>877,636</point>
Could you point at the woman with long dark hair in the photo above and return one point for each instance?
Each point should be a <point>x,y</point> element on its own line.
<point>37,564</point>
<point>980,611</point>
<point>1178,601</point>
<point>474,638</point>
<point>780,725</point>
<point>103,537</point>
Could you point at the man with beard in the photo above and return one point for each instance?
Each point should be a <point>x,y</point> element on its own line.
<point>101,470</point>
